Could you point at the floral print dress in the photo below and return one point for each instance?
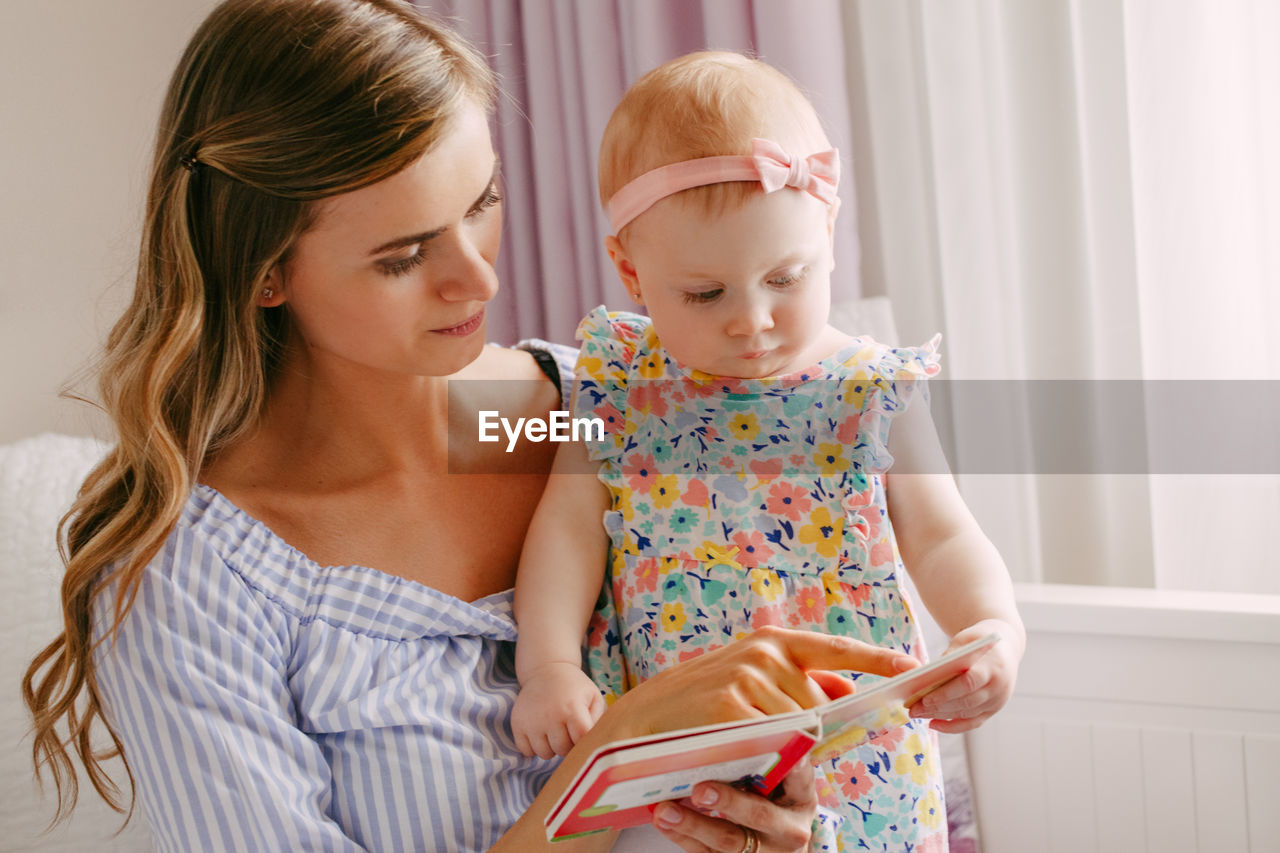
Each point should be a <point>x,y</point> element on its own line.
<point>740,503</point>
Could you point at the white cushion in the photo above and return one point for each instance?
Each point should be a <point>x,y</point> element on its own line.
<point>38,480</point>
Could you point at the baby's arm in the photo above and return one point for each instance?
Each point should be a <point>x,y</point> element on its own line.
<point>561,570</point>
<point>959,573</point>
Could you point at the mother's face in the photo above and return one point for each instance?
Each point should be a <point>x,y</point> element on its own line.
<point>394,277</point>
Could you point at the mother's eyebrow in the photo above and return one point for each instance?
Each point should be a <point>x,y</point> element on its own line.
<point>411,239</point>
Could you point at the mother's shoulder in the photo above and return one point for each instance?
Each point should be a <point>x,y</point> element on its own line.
<point>502,362</point>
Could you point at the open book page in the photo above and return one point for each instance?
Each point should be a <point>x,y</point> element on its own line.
<point>850,720</point>
<point>621,782</point>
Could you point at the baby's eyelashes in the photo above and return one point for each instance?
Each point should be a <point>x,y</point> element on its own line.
<point>789,278</point>
<point>700,297</point>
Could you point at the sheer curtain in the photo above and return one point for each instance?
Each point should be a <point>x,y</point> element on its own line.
<point>563,66</point>
<point>1086,190</point>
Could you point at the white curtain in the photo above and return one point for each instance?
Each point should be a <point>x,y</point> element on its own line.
<point>1086,190</point>
<point>1204,82</point>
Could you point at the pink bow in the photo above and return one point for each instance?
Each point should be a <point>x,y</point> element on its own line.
<point>818,174</point>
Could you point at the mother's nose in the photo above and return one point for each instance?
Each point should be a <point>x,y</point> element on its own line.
<point>467,273</point>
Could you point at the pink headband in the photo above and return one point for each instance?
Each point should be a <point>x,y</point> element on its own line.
<point>818,174</point>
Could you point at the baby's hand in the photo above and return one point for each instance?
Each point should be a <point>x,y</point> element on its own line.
<point>556,707</point>
<point>966,701</point>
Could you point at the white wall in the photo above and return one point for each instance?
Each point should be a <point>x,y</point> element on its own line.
<point>1143,719</point>
<point>80,88</point>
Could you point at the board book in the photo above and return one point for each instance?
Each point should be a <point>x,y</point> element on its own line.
<point>622,781</point>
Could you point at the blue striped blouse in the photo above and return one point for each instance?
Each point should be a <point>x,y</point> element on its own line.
<point>268,703</point>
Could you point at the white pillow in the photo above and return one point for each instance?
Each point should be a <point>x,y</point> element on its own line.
<point>38,481</point>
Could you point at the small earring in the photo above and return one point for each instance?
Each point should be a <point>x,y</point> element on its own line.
<point>267,293</point>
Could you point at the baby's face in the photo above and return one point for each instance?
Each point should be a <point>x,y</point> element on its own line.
<point>743,293</point>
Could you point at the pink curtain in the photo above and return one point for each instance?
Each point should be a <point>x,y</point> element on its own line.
<point>563,65</point>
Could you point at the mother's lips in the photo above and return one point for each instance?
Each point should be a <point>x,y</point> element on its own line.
<point>466,327</point>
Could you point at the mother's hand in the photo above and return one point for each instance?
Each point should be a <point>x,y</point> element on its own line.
<point>772,671</point>
<point>719,817</point>
<point>775,670</point>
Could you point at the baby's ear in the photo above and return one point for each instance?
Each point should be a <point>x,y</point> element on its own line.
<point>626,269</point>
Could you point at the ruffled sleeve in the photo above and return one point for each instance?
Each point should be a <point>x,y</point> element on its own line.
<point>882,388</point>
<point>556,361</point>
<point>610,343</point>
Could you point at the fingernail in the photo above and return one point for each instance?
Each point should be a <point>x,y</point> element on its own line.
<point>705,796</point>
<point>902,664</point>
<point>668,815</point>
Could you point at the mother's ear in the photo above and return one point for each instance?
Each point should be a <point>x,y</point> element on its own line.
<point>271,288</point>
<point>626,269</point>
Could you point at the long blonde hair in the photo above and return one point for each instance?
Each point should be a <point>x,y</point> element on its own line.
<point>274,105</point>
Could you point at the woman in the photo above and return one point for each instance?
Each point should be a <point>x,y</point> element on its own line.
<point>322,223</point>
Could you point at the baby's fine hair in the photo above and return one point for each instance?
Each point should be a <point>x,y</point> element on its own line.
<point>705,104</point>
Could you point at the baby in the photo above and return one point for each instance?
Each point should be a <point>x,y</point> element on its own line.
<point>745,474</point>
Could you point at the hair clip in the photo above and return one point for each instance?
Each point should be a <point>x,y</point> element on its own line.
<point>189,161</point>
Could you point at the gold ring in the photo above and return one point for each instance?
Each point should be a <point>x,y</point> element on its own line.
<point>752,841</point>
